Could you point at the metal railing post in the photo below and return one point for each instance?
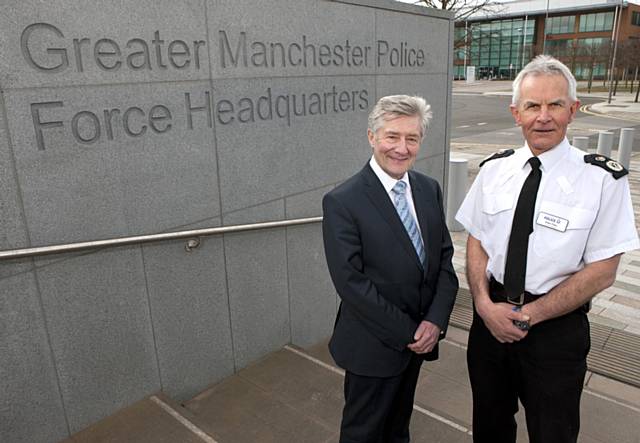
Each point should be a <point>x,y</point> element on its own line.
<point>625,146</point>
<point>456,191</point>
<point>605,143</point>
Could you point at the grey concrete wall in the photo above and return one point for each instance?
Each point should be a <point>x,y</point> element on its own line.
<point>125,118</point>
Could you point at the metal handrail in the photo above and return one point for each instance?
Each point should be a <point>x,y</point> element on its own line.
<point>194,233</point>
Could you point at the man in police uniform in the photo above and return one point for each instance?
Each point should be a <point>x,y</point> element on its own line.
<point>547,226</point>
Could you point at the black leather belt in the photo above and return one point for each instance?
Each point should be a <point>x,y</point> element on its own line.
<point>498,294</point>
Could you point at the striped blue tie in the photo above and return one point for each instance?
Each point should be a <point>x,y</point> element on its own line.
<point>409,223</point>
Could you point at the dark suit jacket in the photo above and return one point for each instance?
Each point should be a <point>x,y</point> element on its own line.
<point>384,289</point>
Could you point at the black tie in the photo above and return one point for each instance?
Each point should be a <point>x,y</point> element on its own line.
<point>516,266</point>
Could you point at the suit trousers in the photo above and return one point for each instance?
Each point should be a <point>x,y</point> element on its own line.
<point>545,370</point>
<point>378,409</point>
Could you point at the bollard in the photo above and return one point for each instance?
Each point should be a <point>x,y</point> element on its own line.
<point>625,146</point>
<point>605,143</point>
<point>581,142</point>
<point>456,191</point>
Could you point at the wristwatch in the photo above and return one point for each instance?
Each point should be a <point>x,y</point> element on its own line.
<point>523,325</point>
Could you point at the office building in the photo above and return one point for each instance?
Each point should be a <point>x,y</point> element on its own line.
<point>582,33</point>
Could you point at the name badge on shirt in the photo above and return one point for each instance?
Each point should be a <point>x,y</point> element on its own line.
<point>552,221</point>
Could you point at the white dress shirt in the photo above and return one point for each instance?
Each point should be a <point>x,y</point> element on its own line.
<point>582,215</point>
<point>389,182</point>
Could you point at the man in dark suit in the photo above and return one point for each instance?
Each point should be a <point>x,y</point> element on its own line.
<point>389,255</point>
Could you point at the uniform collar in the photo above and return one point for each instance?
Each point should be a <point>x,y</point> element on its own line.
<point>387,181</point>
<point>548,159</point>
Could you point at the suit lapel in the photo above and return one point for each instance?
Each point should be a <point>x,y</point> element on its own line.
<point>380,199</point>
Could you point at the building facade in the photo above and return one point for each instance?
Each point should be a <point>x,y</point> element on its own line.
<point>581,33</point>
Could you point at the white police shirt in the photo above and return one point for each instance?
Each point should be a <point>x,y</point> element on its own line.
<point>582,215</point>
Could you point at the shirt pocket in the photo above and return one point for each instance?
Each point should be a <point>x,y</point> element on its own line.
<point>497,212</point>
<point>563,247</point>
<point>493,204</point>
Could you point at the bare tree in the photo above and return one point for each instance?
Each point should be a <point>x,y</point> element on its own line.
<point>464,8</point>
<point>593,55</point>
<point>629,51</point>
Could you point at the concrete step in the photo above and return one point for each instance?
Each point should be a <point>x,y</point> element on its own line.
<point>295,395</point>
<point>156,419</point>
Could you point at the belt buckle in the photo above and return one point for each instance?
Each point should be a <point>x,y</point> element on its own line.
<point>519,301</point>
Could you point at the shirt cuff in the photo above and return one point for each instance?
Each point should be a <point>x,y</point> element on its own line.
<point>468,225</point>
<point>603,254</point>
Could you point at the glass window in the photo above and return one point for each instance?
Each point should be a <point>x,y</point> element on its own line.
<point>608,21</point>
<point>587,22</point>
<point>559,48</point>
<point>593,48</point>
<point>516,59</point>
<point>531,27</point>
<point>593,42</point>
<point>635,18</point>
<point>599,70</point>
<point>601,21</point>
<point>497,45</point>
<point>560,25</point>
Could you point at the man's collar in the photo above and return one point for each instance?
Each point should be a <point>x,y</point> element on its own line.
<point>387,181</point>
<point>549,158</point>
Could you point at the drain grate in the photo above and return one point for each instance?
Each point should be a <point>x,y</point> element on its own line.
<point>614,353</point>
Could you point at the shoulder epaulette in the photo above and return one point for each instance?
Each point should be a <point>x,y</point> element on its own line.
<point>612,166</point>
<point>500,154</point>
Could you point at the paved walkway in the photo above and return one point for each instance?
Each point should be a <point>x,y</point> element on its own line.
<point>295,395</point>
<point>619,305</point>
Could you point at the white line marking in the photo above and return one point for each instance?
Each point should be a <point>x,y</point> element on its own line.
<point>315,360</point>
<point>193,428</point>
<point>612,400</point>
<point>482,124</point>
<point>415,407</point>
<point>442,419</point>
<point>463,126</point>
<point>587,110</point>
<point>453,343</point>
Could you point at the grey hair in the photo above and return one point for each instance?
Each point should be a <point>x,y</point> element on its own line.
<point>394,106</point>
<point>545,65</point>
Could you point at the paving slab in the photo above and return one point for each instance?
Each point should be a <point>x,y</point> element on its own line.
<point>239,411</point>
<point>300,383</point>
<point>295,395</point>
<point>144,421</point>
